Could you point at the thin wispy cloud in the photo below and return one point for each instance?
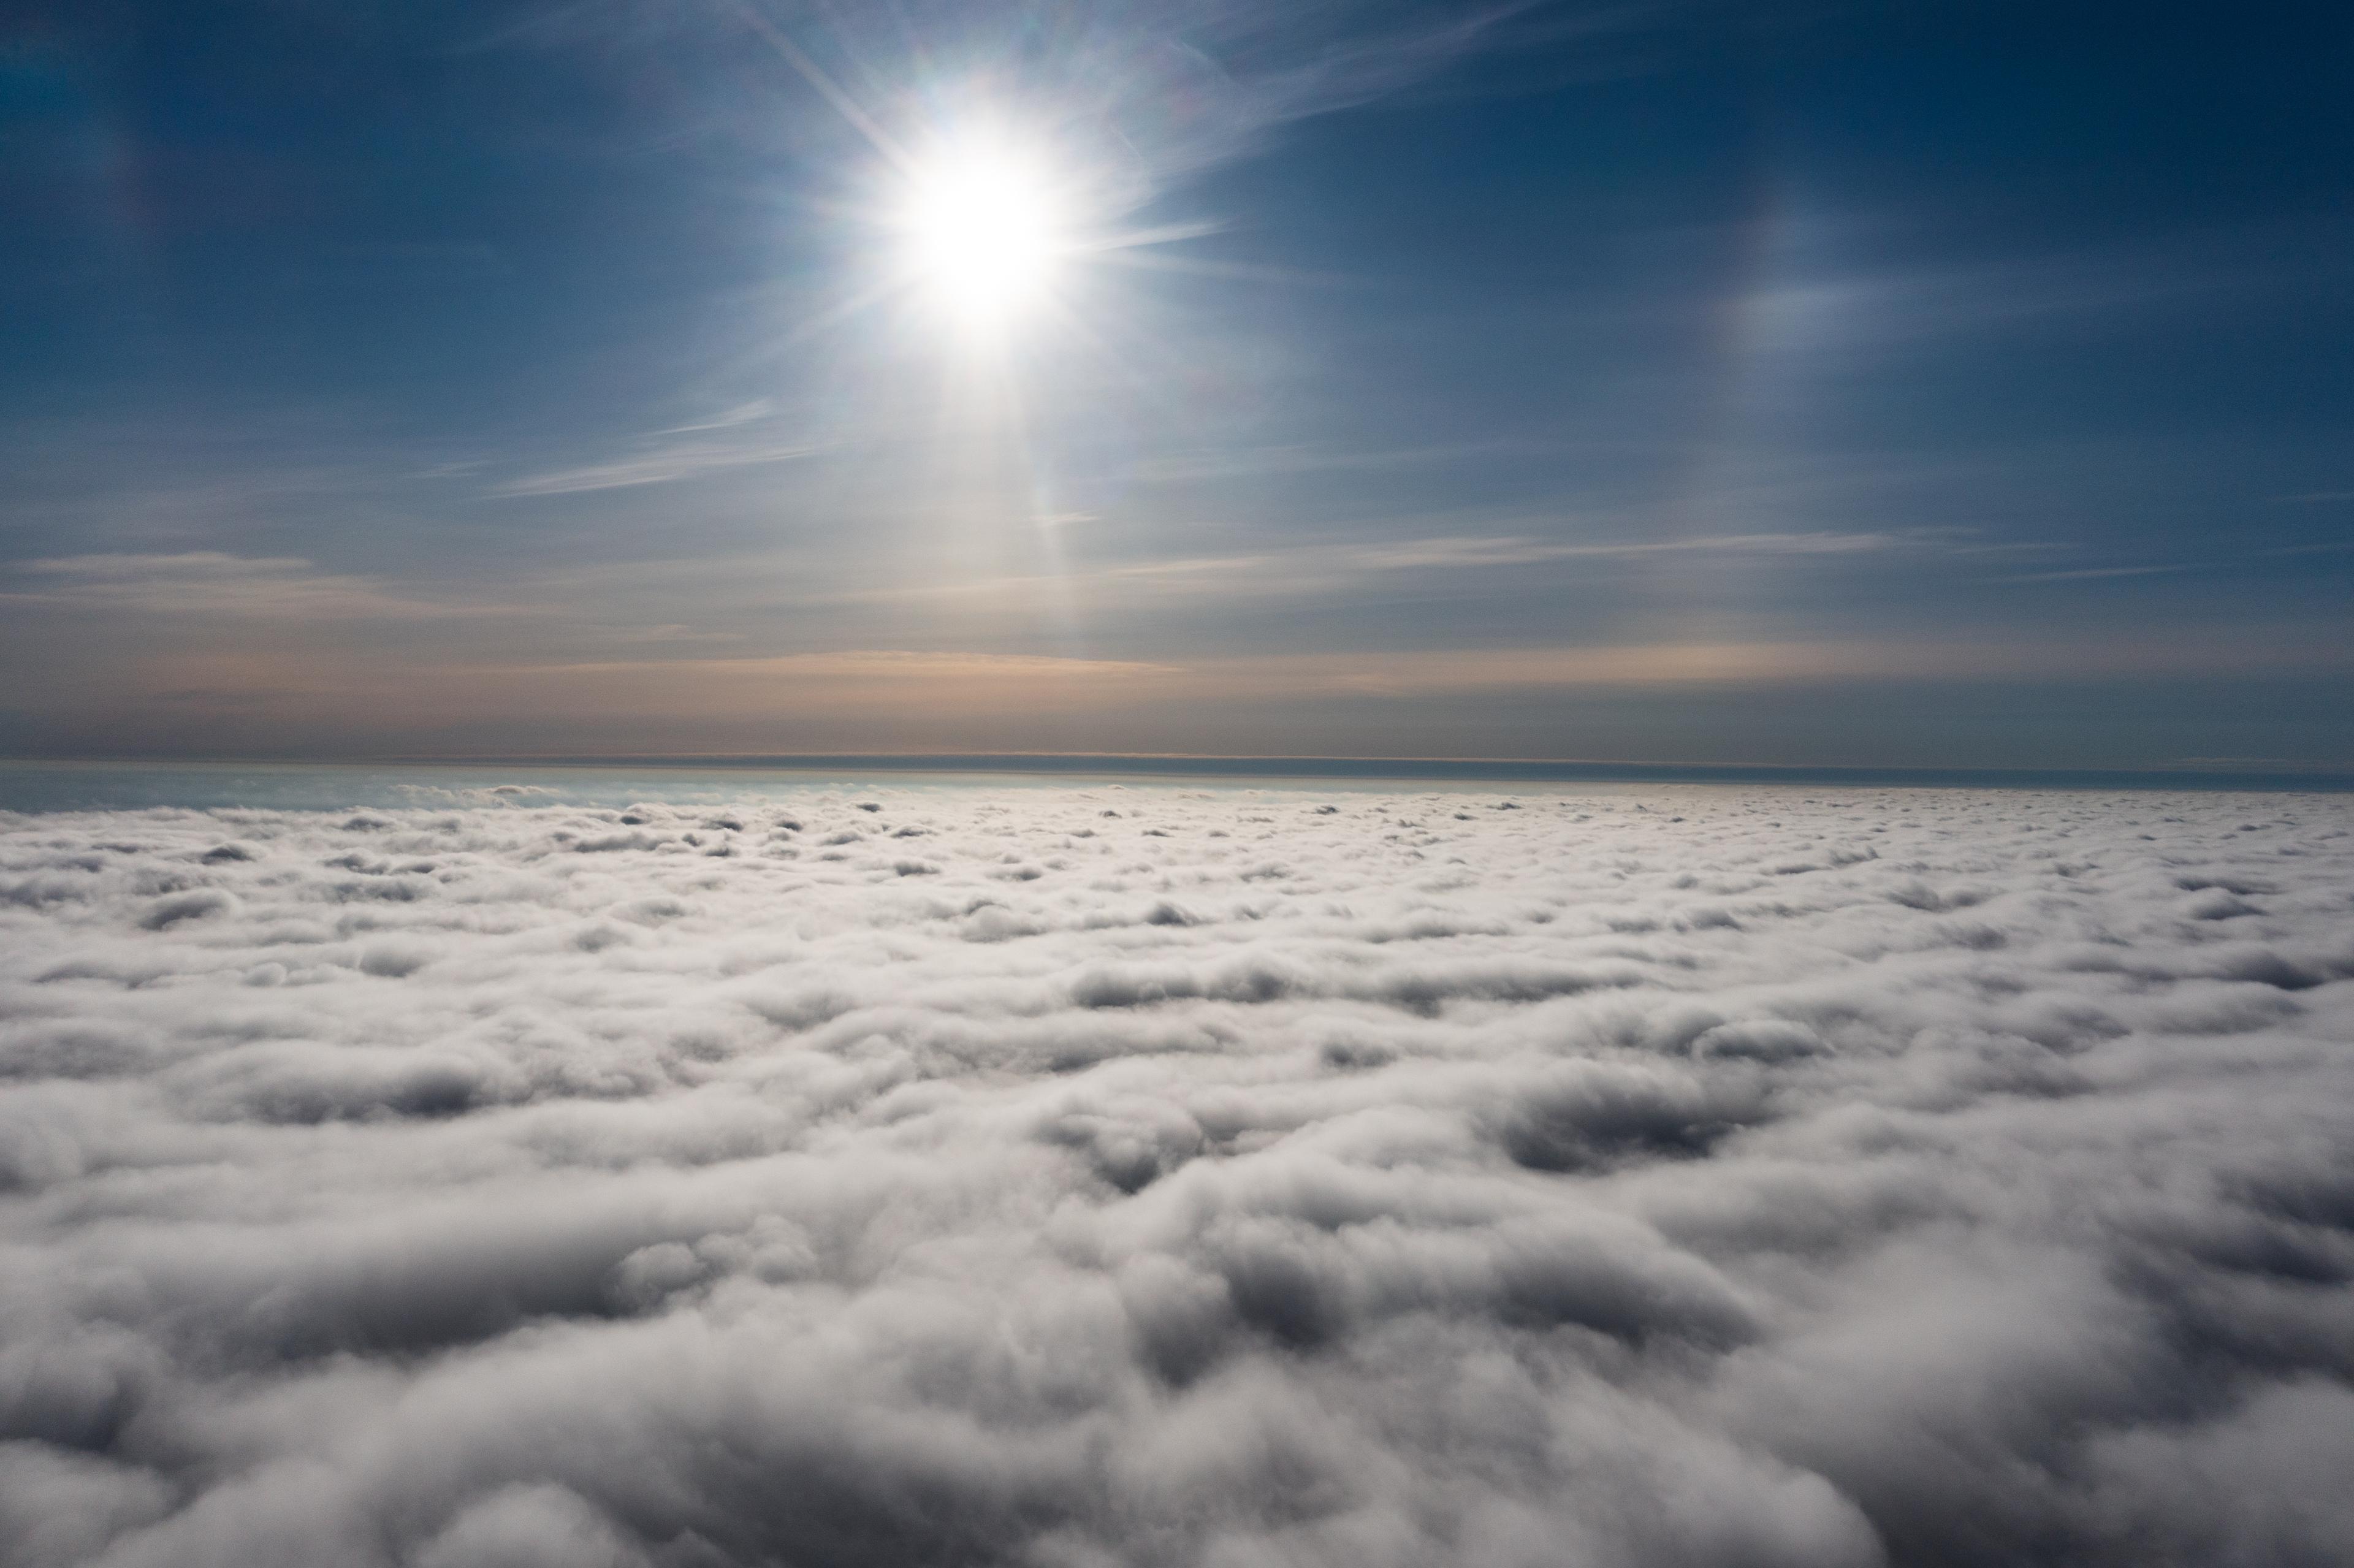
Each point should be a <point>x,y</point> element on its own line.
<point>1322,570</point>
<point>742,414</point>
<point>2086,573</point>
<point>1505,551</point>
<point>211,583</point>
<point>1255,461</point>
<point>911,666</point>
<point>668,463</point>
<point>1900,308</point>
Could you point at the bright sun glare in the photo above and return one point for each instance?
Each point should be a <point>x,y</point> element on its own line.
<point>985,232</point>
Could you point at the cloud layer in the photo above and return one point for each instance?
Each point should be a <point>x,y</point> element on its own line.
<point>1073,1176</point>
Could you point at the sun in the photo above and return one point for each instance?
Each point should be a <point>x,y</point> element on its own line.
<point>985,231</point>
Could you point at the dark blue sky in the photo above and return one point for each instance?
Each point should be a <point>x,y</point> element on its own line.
<point>1897,385</point>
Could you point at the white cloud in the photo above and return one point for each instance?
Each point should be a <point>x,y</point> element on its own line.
<point>1323,570</point>
<point>2082,574</point>
<point>212,583</point>
<point>1068,1175</point>
<point>1417,554</point>
<point>660,462</point>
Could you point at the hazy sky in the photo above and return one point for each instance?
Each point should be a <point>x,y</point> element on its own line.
<point>1919,383</point>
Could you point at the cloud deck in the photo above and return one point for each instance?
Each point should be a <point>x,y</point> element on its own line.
<point>1077,1176</point>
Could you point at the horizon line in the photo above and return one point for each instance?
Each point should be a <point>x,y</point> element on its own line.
<point>2274,775</point>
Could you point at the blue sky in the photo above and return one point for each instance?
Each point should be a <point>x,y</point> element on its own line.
<point>1878,384</point>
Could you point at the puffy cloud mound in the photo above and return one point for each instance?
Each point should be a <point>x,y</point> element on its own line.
<point>1073,1176</point>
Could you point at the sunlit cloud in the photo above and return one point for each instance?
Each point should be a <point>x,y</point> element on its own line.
<point>662,464</point>
<point>210,583</point>
<point>888,664</point>
<point>1251,462</point>
<point>1422,554</point>
<point>1069,1173</point>
<point>1320,571</point>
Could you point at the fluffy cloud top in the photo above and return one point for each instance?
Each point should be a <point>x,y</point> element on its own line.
<point>1073,1176</point>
